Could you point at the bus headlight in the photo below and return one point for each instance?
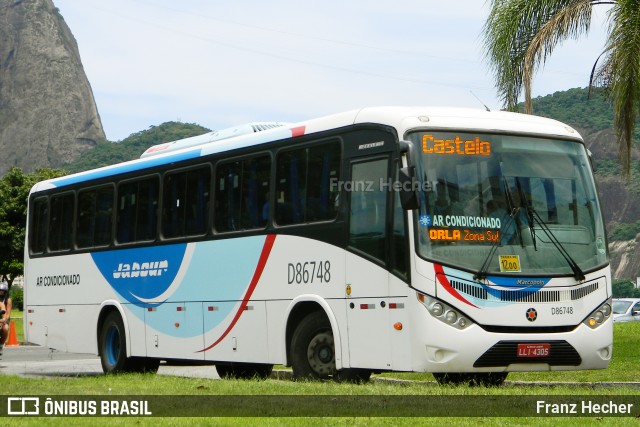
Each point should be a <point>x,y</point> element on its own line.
<point>444,312</point>
<point>451,317</point>
<point>599,315</point>
<point>436,309</point>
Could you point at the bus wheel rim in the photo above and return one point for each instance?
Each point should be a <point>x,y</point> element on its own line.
<point>112,345</point>
<point>321,354</point>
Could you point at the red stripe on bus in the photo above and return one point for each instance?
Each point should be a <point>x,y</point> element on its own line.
<point>442,278</point>
<point>299,131</point>
<point>262,261</point>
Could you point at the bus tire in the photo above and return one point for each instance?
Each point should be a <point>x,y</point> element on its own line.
<point>244,370</point>
<point>112,347</point>
<point>486,379</point>
<point>312,348</point>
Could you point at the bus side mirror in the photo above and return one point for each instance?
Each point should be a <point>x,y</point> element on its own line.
<point>408,188</point>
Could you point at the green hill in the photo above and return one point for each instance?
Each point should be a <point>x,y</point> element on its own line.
<point>577,108</point>
<point>108,153</point>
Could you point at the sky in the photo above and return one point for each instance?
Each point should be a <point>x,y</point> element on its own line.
<point>221,63</point>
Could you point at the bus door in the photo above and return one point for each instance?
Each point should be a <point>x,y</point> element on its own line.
<point>367,278</point>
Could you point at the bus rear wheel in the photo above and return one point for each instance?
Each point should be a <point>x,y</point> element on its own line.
<point>244,370</point>
<point>112,346</point>
<point>486,379</point>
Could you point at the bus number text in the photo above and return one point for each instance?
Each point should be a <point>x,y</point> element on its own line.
<point>309,272</point>
<point>559,311</point>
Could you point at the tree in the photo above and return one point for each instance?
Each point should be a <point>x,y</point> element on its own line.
<point>14,192</point>
<point>622,288</point>
<point>520,35</point>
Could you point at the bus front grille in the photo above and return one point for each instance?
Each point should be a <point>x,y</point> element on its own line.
<point>505,353</point>
<point>483,292</point>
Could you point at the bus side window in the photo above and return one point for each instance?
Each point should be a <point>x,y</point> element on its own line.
<point>304,180</point>
<point>94,217</point>
<point>255,192</point>
<point>126,212</point>
<point>39,220</point>
<point>185,204</point>
<point>242,193</point>
<point>173,204</point>
<point>197,201</point>
<point>147,210</point>
<point>104,215</point>
<point>137,210</point>
<point>61,223</point>
<point>86,213</point>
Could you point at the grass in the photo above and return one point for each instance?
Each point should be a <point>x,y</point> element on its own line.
<point>625,367</point>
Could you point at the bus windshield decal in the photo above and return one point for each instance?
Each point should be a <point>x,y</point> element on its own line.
<point>464,221</point>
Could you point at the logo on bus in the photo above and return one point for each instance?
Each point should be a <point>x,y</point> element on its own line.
<point>133,270</point>
<point>142,276</point>
<point>532,315</point>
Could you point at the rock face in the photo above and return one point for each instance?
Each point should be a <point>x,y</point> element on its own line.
<point>48,115</point>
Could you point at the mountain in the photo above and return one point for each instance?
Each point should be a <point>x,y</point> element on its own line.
<point>48,115</point>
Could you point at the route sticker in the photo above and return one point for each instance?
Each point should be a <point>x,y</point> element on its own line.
<point>510,263</point>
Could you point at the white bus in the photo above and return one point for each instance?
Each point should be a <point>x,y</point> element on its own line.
<point>464,243</point>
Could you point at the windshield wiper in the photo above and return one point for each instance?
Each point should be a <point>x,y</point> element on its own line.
<point>512,208</point>
<point>533,215</point>
<point>513,218</point>
<point>524,203</point>
<point>482,273</point>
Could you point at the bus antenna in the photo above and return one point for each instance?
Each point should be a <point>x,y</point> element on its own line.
<point>480,101</point>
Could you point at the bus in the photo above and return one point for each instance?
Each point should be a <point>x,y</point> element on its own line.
<point>464,243</point>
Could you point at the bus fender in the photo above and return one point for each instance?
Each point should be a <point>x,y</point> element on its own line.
<point>118,306</point>
<point>315,299</point>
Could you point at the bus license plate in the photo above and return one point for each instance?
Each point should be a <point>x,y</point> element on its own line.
<point>534,350</point>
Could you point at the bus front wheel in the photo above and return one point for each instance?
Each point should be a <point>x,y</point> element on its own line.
<point>312,348</point>
<point>112,347</point>
<point>313,352</point>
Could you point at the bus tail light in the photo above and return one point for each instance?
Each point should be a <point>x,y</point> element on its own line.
<point>444,312</point>
<point>599,315</point>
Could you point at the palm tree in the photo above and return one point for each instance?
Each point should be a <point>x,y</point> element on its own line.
<point>519,36</point>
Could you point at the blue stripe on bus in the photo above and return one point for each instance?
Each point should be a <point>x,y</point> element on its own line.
<point>126,167</point>
<point>153,161</point>
<point>218,273</point>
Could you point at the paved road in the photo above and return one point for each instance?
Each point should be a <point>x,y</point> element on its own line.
<point>36,361</point>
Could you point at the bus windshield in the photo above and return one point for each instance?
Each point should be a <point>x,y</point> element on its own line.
<point>505,204</point>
